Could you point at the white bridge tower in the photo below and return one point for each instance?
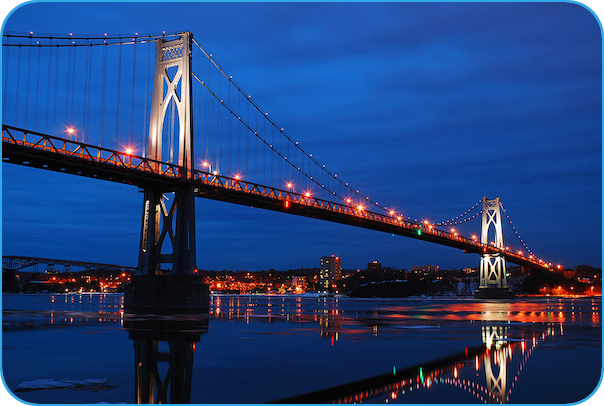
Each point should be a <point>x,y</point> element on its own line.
<point>493,281</point>
<point>171,84</point>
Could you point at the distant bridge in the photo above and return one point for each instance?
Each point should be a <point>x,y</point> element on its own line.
<point>14,263</point>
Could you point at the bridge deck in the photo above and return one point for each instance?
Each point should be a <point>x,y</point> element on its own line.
<point>43,151</point>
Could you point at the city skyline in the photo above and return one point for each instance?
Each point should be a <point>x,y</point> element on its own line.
<point>429,107</point>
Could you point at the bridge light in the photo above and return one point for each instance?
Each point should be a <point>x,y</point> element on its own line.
<point>391,212</point>
<point>128,151</point>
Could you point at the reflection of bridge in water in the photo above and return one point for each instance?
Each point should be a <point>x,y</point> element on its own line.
<point>488,363</point>
<point>494,366</point>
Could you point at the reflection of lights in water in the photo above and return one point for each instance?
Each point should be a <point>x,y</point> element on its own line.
<point>491,382</point>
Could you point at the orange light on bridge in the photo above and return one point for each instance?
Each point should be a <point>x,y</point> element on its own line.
<point>360,207</point>
<point>474,237</point>
<point>307,194</point>
<point>128,151</point>
<point>392,212</point>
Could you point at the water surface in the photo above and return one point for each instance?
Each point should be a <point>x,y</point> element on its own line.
<point>258,349</point>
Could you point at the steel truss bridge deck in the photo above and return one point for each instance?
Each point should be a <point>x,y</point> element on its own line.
<point>29,148</point>
<point>15,262</point>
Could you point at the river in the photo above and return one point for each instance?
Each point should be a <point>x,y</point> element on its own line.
<point>83,348</point>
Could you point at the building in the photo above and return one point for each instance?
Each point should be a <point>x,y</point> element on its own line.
<point>425,269</point>
<point>331,271</point>
<point>299,284</point>
<point>374,266</point>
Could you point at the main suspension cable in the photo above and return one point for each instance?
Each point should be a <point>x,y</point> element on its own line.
<point>516,232</point>
<point>281,130</point>
<point>460,219</point>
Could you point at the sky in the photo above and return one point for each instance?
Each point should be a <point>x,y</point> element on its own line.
<point>427,107</point>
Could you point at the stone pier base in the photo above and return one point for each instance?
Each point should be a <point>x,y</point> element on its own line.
<point>166,293</point>
<point>494,293</point>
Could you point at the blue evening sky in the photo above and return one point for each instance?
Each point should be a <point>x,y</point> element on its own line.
<point>424,106</point>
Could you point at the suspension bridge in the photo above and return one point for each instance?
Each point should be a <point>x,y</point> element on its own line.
<point>158,112</point>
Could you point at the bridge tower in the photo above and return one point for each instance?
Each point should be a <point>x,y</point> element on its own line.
<point>174,228</point>
<point>172,83</point>
<point>493,281</point>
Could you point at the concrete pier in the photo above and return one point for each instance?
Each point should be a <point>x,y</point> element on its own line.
<point>166,293</point>
<point>494,293</point>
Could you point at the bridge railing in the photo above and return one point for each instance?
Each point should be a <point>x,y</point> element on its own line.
<point>71,148</point>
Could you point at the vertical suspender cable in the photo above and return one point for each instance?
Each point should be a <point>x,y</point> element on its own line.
<point>196,111</point>
<point>103,93</point>
<point>84,131</point>
<point>133,88</point>
<point>210,113</point>
<point>27,84</point>
<point>256,152</point>
<point>73,84</point>
<point>37,89</point>
<point>239,134</point>
<point>117,104</point>
<point>89,66</point>
<point>229,147</point>
<point>66,122</point>
<point>264,156</point>
<point>5,88</point>
<point>146,117</point>
<point>247,152</point>
<point>56,91</point>
<point>48,82</point>
<point>218,130</point>
<point>17,93</point>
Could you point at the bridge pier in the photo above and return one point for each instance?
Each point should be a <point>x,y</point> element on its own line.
<point>159,294</point>
<point>494,293</point>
